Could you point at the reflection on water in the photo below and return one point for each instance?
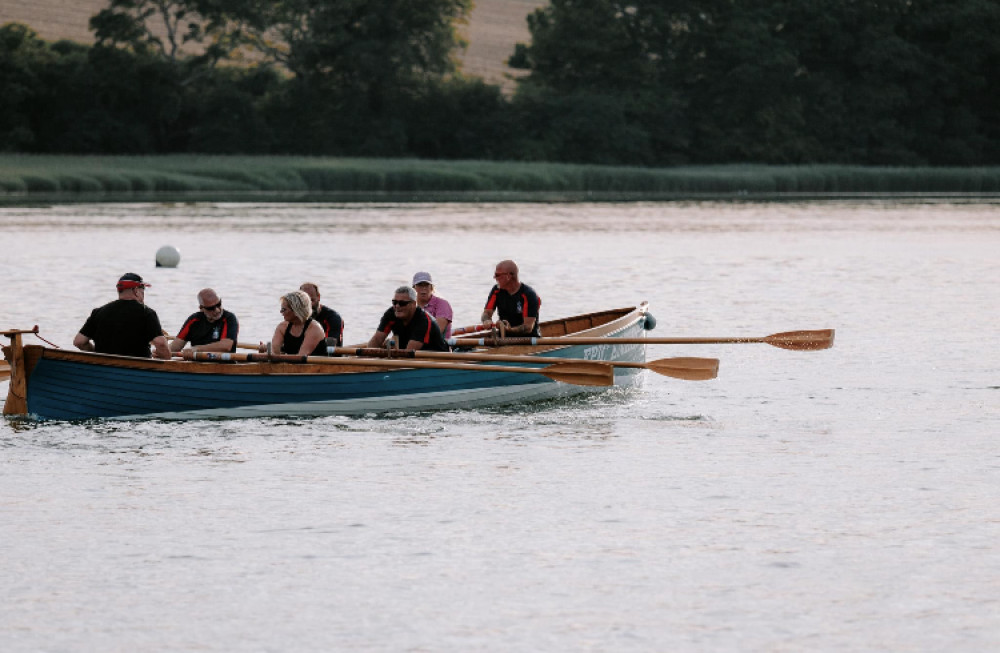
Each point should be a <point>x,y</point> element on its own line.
<point>478,219</point>
<point>762,510</point>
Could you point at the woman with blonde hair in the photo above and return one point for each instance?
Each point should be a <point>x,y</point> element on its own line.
<point>298,333</point>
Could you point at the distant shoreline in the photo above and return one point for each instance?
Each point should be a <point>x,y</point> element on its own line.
<point>472,197</point>
<point>190,178</point>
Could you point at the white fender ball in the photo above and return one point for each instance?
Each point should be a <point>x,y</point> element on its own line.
<point>167,257</point>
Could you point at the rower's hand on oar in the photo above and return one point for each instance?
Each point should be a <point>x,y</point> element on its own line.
<point>262,348</point>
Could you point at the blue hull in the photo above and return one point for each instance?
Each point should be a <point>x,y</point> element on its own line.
<point>73,386</point>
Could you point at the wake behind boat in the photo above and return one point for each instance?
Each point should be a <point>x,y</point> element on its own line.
<point>49,383</point>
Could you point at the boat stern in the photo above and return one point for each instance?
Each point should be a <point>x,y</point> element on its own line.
<point>17,391</point>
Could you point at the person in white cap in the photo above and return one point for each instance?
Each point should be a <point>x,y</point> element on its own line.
<point>126,326</point>
<point>433,305</point>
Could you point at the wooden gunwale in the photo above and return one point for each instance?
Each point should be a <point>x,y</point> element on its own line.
<point>565,326</point>
<point>194,367</point>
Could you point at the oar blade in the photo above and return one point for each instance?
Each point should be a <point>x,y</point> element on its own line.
<point>687,368</point>
<point>802,340</point>
<point>595,374</point>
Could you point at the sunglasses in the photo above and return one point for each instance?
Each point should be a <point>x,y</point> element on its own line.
<point>211,308</point>
<point>501,274</point>
<point>400,302</point>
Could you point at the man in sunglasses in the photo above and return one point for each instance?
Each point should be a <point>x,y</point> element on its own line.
<point>212,328</point>
<point>412,326</point>
<point>126,326</point>
<point>517,305</point>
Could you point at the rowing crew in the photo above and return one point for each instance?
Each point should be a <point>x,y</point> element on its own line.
<point>417,319</point>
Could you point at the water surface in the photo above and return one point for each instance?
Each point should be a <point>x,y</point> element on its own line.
<point>836,500</point>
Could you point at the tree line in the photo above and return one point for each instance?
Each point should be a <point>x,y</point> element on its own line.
<point>637,82</point>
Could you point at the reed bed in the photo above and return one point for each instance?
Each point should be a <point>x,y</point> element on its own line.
<point>79,178</point>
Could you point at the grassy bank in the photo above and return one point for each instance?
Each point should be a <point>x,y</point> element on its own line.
<point>104,178</point>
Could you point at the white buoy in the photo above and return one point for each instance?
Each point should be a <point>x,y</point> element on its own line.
<point>167,257</point>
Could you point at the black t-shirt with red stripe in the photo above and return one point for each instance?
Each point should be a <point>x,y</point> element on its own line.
<point>332,323</point>
<point>514,308</point>
<point>422,328</point>
<point>197,330</point>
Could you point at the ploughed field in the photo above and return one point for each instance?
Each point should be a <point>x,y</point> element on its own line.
<point>494,27</point>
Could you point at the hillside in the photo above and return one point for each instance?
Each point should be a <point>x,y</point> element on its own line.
<point>494,27</point>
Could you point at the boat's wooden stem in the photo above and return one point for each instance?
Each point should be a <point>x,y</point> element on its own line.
<point>686,368</point>
<point>17,393</point>
<point>794,340</point>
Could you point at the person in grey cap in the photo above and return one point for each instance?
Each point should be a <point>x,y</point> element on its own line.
<point>433,305</point>
<point>126,326</point>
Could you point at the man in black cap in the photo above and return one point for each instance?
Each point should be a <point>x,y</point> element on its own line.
<point>125,326</point>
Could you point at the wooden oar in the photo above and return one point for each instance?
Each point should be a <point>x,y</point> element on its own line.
<point>795,340</point>
<point>589,373</point>
<point>4,370</point>
<point>687,368</point>
<point>474,328</point>
<point>239,345</point>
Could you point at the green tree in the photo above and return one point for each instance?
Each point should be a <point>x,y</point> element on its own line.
<point>349,39</point>
<point>22,57</point>
<point>599,80</point>
<point>855,79</point>
<point>780,81</point>
<point>954,112</point>
<point>459,118</point>
<point>230,111</point>
<point>173,29</point>
<point>355,64</point>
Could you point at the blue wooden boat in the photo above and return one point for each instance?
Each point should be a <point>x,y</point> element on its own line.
<point>50,383</point>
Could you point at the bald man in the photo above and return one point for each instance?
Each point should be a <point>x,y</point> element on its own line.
<point>517,305</point>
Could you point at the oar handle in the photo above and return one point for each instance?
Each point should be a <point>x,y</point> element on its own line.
<point>473,328</point>
<point>228,357</point>
<point>375,352</point>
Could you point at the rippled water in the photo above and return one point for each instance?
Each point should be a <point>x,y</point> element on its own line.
<point>835,500</point>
